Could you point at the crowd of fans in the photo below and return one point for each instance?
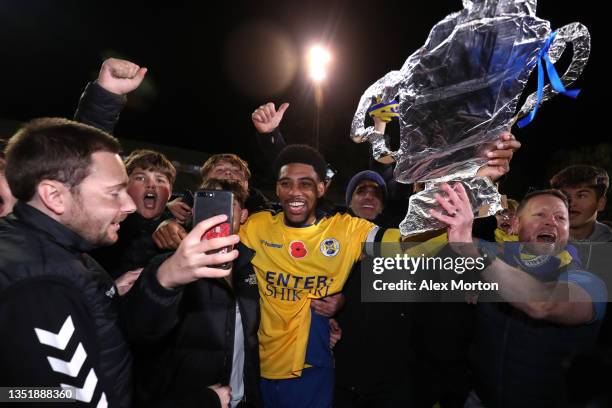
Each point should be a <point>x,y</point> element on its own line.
<point>107,286</point>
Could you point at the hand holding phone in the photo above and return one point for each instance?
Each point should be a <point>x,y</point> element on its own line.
<point>208,203</point>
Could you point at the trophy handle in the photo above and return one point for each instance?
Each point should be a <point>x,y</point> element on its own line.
<point>579,36</point>
<point>387,88</point>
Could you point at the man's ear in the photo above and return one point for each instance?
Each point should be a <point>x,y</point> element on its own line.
<point>601,203</point>
<point>244,214</point>
<point>320,189</point>
<point>54,196</point>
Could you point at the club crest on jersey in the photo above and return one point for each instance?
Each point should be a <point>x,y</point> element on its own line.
<point>297,249</point>
<point>330,247</point>
<point>533,261</point>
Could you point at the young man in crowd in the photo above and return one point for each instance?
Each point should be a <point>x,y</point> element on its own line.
<point>505,222</point>
<point>365,195</point>
<point>224,166</point>
<point>300,254</point>
<point>585,188</point>
<point>553,310</point>
<point>379,333</point>
<point>212,338</point>
<point>59,316</point>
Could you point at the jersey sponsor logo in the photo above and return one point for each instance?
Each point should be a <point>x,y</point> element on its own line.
<point>288,287</point>
<point>330,247</point>
<point>270,244</point>
<point>297,249</point>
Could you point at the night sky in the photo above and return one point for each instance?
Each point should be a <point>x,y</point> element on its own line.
<point>211,64</point>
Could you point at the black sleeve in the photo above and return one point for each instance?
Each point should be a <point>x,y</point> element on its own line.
<point>48,338</point>
<point>270,144</point>
<point>99,107</point>
<point>150,311</point>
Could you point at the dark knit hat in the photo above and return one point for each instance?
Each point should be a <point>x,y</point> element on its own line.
<point>300,153</point>
<point>361,176</point>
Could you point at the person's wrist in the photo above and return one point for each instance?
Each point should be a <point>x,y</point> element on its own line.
<point>267,131</point>
<point>164,273</point>
<point>108,88</point>
<point>467,249</point>
<point>463,243</point>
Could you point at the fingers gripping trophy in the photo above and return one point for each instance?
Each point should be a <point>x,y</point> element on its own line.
<point>459,92</point>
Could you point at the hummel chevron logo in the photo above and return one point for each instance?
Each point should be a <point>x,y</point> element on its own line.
<point>71,367</point>
<point>84,394</point>
<point>102,403</point>
<point>59,340</point>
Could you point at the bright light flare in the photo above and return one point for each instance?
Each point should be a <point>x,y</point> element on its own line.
<point>318,58</point>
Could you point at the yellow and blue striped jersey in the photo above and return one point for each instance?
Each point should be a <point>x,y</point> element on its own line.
<point>293,266</point>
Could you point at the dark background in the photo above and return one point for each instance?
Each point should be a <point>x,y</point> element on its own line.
<point>211,64</point>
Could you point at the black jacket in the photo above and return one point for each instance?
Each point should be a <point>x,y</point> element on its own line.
<point>99,108</point>
<point>57,305</point>
<point>192,345</point>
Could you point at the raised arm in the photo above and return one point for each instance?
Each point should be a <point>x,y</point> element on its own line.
<point>103,100</point>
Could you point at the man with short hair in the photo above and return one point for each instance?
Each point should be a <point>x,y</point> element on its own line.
<point>224,336</point>
<point>380,333</point>
<point>585,188</point>
<point>58,314</point>
<point>212,339</point>
<point>224,166</point>
<point>300,254</point>
<point>228,166</point>
<point>554,308</point>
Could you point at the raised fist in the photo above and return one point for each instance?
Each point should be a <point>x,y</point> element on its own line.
<point>120,76</point>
